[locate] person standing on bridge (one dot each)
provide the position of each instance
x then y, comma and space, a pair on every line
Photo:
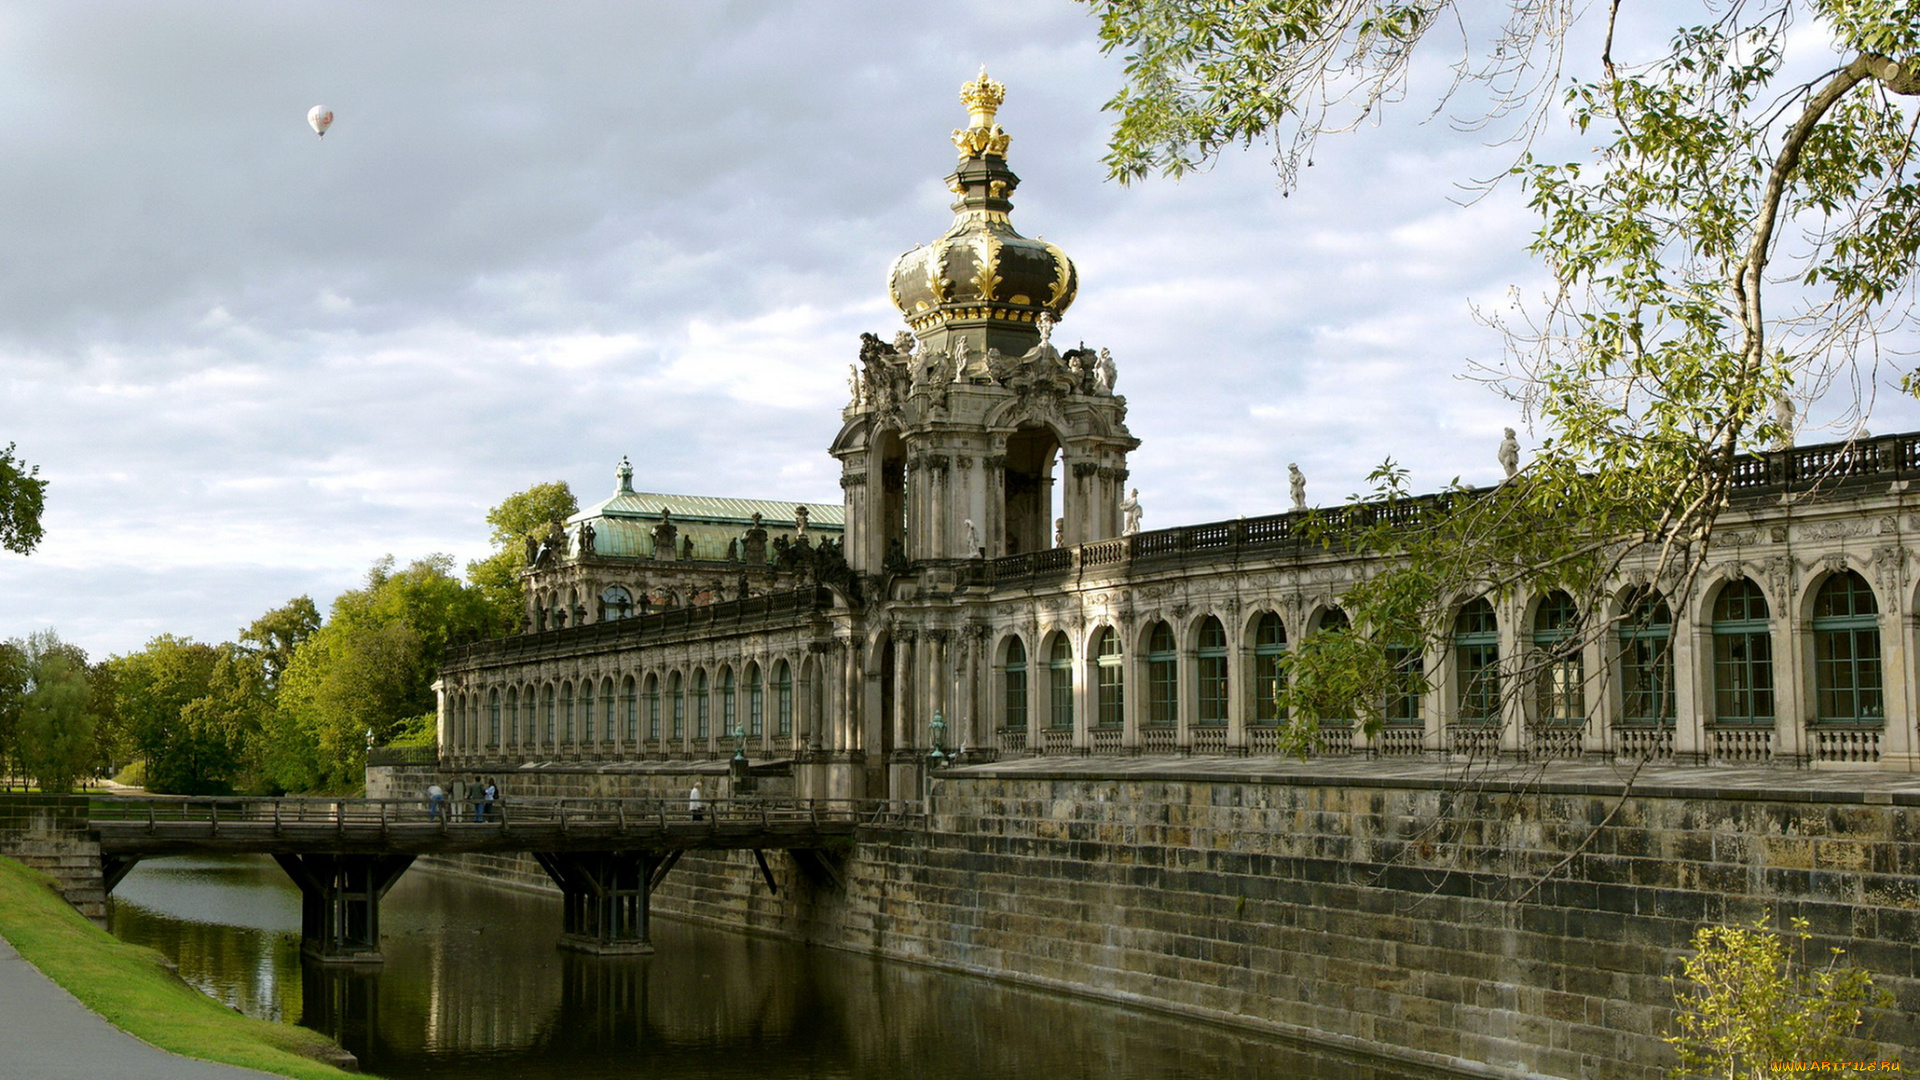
696, 806
478, 793
457, 798
487, 795
436, 801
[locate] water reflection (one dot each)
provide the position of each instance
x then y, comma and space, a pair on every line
474, 985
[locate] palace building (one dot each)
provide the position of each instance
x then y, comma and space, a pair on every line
978, 591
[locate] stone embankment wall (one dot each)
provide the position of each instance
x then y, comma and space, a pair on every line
1410, 916
49, 833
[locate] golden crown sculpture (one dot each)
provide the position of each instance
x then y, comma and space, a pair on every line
982, 136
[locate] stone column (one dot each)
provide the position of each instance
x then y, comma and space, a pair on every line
903, 645
993, 485
1187, 690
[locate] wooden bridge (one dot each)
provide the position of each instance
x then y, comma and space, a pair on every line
606, 855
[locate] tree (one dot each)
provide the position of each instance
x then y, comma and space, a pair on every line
22, 499
1746, 1002
275, 635
55, 729
364, 675
1740, 240
521, 516
156, 689
13, 688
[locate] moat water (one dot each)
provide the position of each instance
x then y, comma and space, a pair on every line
473, 986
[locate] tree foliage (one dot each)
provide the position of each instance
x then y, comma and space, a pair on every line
364, 675
52, 723
521, 516
1742, 237
1748, 1000
22, 500
166, 698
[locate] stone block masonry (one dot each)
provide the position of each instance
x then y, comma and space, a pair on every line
49, 833
1523, 924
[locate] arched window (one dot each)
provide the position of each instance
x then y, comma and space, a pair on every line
1108, 684
679, 709
1163, 677
1060, 682
1560, 686
1646, 661
1333, 619
1476, 645
653, 709
756, 703
702, 721
586, 709
1013, 703
631, 707
1402, 705
615, 603
493, 717
1269, 645
1846, 652
1212, 664
729, 720
783, 699
1742, 655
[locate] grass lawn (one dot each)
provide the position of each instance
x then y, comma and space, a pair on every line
132, 987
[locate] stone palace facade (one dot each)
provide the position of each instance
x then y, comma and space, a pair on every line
983, 590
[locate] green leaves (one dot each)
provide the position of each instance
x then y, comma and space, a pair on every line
1745, 1002
22, 500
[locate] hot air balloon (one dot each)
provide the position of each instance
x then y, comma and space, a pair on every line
321, 118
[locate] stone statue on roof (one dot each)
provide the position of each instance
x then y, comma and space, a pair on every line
586, 537
664, 535
753, 549
686, 547
971, 535
1105, 374
1130, 513
799, 521
1510, 453
1297, 481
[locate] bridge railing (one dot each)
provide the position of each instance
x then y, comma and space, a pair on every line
629, 813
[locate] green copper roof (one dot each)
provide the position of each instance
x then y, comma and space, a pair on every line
623, 523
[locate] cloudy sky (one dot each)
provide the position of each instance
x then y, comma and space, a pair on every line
540, 237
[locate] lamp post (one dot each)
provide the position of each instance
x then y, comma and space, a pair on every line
936, 730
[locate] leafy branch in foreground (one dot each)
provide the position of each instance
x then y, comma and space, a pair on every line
1741, 239
1746, 1002
22, 500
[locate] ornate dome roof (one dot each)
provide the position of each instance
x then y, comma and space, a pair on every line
981, 272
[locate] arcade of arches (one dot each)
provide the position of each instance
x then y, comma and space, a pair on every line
978, 591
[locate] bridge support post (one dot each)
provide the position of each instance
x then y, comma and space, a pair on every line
340, 903
606, 896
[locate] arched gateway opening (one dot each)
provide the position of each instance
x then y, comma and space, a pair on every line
1032, 454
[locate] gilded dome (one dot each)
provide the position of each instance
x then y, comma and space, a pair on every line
980, 271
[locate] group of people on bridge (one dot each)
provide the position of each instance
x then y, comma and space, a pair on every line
480, 793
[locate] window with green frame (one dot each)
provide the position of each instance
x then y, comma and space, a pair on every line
756, 704
493, 718
632, 707
1109, 682
1742, 655
702, 720
729, 716
1211, 665
1846, 652
1402, 707
566, 712
1646, 662
1560, 694
586, 709
1013, 703
513, 715
1269, 645
653, 708
1476, 650
550, 714
679, 695
1060, 682
1163, 677
783, 699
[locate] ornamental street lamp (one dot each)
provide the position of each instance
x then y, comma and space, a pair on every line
936, 730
